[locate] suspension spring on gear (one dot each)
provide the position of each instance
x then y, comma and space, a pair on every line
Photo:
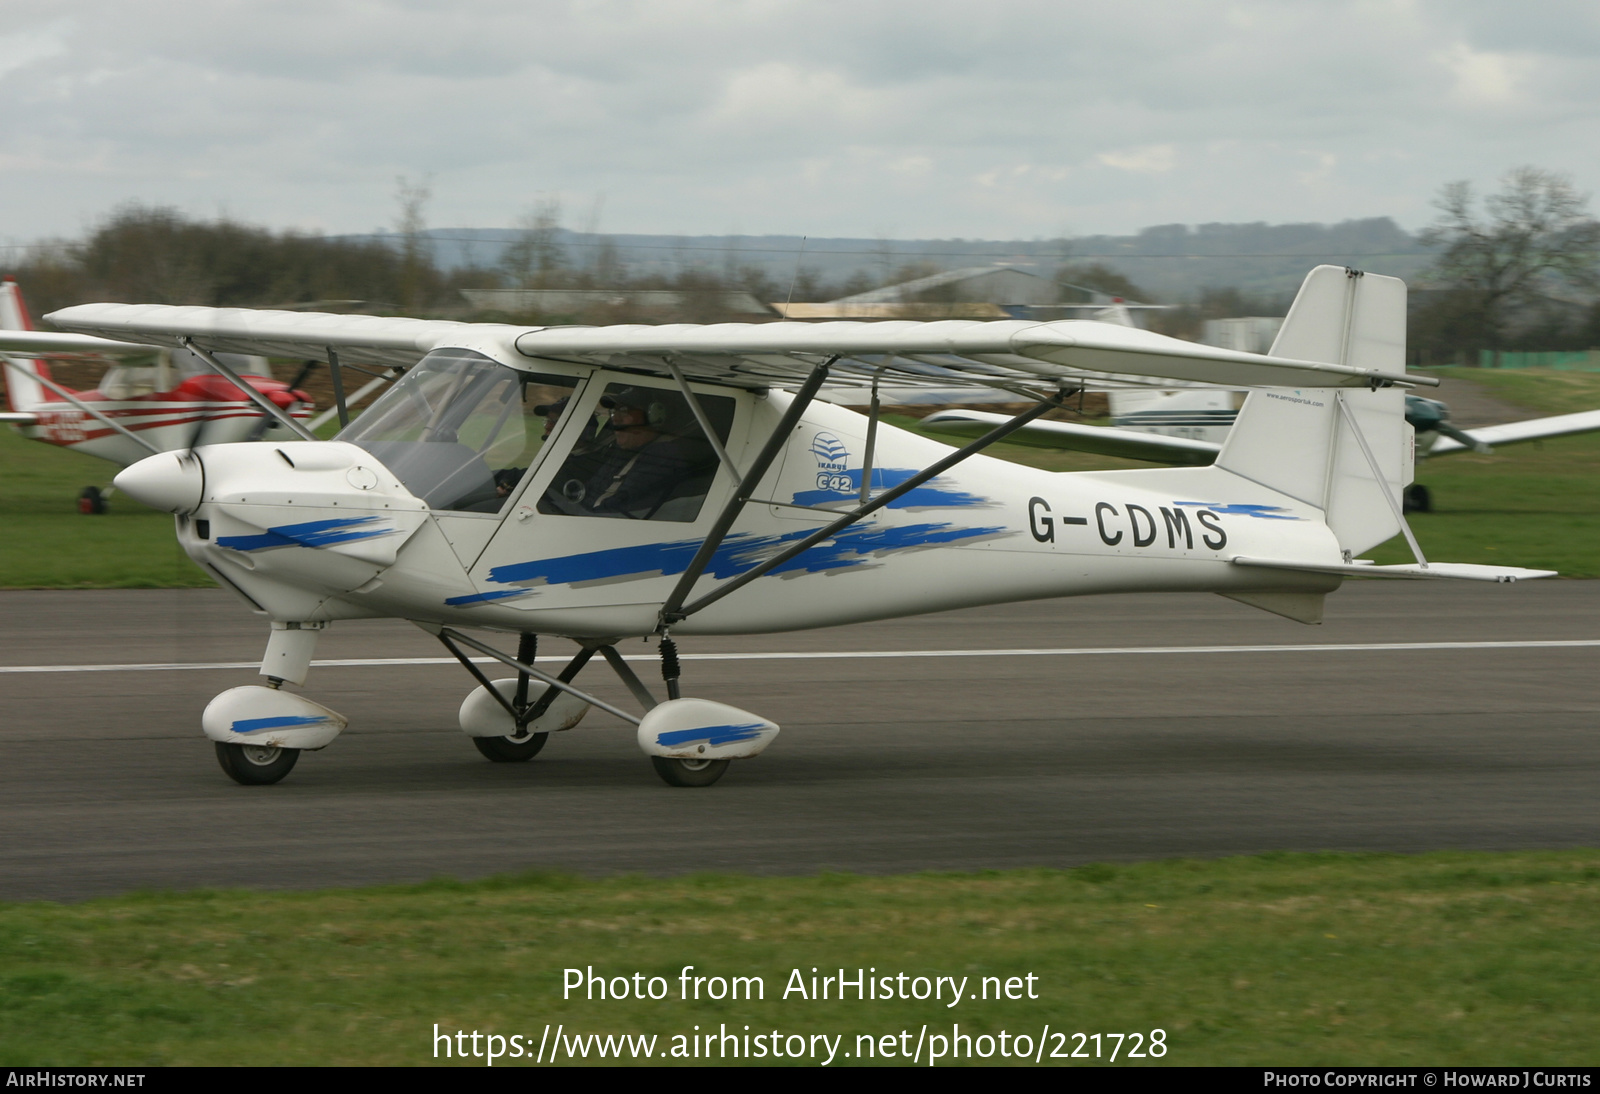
669, 666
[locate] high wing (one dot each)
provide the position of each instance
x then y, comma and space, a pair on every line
1007, 354
1129, 444
1587, 421
386, 341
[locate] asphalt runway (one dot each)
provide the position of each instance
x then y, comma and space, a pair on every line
885, 764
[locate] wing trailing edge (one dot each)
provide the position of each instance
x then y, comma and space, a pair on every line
1129, 444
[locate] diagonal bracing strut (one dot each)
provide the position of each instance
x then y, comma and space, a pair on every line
747, 485
998, 433
251, 393
449, 636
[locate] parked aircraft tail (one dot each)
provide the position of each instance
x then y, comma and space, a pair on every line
1340, 450
23, 392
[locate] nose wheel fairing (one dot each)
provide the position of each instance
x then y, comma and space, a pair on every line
264, 717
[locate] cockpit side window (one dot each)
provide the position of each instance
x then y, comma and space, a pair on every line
643, 456
460, 429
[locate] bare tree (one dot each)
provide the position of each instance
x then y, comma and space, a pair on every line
1535, 239
413, 199
536, 255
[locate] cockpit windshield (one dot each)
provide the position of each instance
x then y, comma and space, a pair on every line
460, 429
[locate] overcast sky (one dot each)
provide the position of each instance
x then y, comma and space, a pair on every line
929, 118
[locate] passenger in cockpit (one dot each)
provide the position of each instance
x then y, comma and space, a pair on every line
505, 481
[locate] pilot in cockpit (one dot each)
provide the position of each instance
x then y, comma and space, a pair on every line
644, 461
649, 461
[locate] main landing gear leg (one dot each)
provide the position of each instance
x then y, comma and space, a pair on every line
505, 724
522, 745
689, 741
678, 772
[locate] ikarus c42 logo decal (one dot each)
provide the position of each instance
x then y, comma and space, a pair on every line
833, 463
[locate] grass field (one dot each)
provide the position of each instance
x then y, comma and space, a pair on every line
48, 544
1278, 959
1535, 505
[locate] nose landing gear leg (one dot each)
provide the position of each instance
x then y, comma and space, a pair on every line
260, 732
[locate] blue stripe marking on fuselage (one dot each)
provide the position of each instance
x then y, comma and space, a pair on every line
711, 735
850, 547
312, 533
287, 721
929, 495
1243, 509
483, 598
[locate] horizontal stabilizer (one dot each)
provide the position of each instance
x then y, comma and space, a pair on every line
1129, 444
1465, 571
1587, 421
19, 419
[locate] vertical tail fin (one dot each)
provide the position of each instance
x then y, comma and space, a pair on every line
1338, 449
23, 392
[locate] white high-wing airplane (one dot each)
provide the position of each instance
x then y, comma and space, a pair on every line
601, 483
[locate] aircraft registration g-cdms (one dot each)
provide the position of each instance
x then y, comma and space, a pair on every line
601, 483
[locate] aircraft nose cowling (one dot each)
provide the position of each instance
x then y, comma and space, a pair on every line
172, 481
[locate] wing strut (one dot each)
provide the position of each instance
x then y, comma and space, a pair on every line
251, 393
872, 437
938, 468
747, 485
80, 404
337, 375
360, 393
700, 416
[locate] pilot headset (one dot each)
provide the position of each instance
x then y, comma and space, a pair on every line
655, 411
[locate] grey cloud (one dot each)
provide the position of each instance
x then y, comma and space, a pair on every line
1017, 118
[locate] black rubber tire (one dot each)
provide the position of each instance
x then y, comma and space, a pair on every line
252, 765
1417, 499
91, 501
503, 750
689, 772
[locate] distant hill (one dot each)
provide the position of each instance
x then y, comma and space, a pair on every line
1257, 259
1171, 262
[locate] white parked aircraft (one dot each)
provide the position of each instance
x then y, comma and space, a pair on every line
600, 483
1188, 426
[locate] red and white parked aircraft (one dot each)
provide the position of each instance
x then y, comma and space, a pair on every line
170, 400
